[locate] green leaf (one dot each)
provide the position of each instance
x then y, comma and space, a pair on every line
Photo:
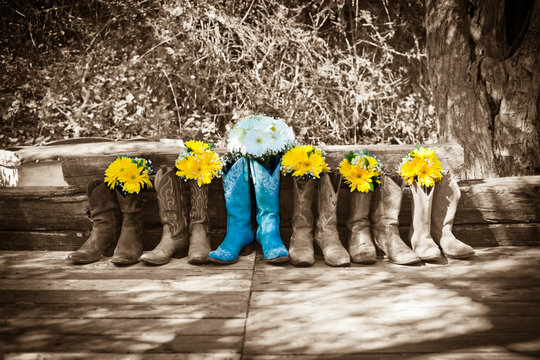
350, 156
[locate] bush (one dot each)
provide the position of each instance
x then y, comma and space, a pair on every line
337, 72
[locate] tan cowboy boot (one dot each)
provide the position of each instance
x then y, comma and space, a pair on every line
106, 223
361, 248
172, 211
420, 231
445, 200
129, 247
387, 199
301, 251
326, 234
199, 243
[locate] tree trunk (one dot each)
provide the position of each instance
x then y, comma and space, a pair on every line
484, 68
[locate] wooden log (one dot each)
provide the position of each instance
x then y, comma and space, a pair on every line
490, 201
81, 163
476, 235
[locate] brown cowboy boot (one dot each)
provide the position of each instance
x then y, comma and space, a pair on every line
361, 248
172, 211
130, 243
326, 234
445, 200
387, 199
106, 223
301, 251
420, 231
199, 243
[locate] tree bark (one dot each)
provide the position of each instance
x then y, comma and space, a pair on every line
484, 68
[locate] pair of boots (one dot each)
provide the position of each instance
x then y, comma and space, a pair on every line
117, 229
236, 187
326, 234
173, 215
431, 227
432, 221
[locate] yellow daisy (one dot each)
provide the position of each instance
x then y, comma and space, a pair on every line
135, 180
117, 169
196, 146
361, 171
304, 160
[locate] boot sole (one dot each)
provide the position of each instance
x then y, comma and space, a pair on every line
302, 263
338, 265
154, 263
82, 262
458, 256
280, 259
221, 262
124, 262
198, 261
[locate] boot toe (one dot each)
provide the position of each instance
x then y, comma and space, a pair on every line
81, 257
123, 260
429, 254
301, 256
461, 253
456, 249
362, 258
405, 259
222, 256
337, 259
279, 254
153, 260
198, 259
363, 255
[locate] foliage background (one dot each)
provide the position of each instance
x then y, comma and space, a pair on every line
338, 71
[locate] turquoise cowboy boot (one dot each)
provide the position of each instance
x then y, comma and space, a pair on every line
267, 196
238, 205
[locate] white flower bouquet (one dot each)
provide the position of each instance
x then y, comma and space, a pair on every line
260, 137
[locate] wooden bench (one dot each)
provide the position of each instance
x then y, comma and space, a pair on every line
46, 210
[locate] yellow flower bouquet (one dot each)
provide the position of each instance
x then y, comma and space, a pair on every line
421, 165
361, 171
199, 162
304, 161
130, 175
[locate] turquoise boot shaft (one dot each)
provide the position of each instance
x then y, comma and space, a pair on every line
238, 205
267, 196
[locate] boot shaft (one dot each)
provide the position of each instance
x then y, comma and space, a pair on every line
171, 201
327, 201
129, 203
101, 199
266, 185
445, 201
303, 191
359, 211
198, 215
236, 190
387, 202
421, 208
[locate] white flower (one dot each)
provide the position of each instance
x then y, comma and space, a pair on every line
259, 135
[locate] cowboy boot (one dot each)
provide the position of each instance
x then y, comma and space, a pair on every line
361, 248
326, 233
301, 247
266, 186
106, 223
172, 212
420, 231
445, 200
199, 243
238, 205
129, 247
387, 199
